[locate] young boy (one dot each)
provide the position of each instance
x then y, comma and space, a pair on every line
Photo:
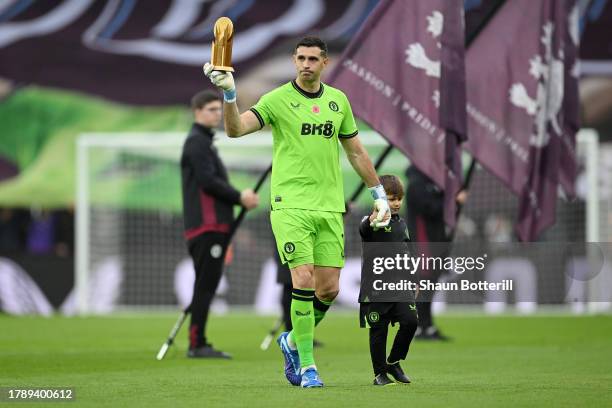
377, 315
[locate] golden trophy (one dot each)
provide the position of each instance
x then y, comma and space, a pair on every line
221, 51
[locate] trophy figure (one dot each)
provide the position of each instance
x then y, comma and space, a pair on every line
221, 51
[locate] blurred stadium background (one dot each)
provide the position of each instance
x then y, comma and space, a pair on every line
93, 112
114, 78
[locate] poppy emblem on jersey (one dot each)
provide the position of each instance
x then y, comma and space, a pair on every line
316, 109
289, 247
333, 106
374, 317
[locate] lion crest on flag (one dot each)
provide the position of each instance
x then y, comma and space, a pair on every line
545, 106
418, 58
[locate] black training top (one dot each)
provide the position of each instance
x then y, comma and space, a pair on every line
208, 198
396, 232
425, 208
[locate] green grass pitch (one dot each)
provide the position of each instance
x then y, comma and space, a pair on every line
554, 361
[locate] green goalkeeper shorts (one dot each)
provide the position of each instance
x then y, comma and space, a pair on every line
309, 237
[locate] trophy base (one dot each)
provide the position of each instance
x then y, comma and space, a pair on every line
222, 68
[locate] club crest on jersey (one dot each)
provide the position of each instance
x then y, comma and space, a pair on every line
333, 106
316, 109
289, 247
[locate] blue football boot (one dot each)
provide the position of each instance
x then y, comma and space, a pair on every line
310, 379
292, 360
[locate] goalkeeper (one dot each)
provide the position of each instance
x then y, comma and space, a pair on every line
308, 119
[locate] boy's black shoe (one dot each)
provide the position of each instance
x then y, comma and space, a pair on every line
395, 371
382, 379
207, 351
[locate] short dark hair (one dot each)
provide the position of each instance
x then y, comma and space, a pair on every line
203, 98
312, 42
392, 185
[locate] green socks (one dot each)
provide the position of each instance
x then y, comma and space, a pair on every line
303, 321
306, 312
320, 308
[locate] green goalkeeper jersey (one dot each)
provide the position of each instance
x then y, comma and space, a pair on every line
306, 128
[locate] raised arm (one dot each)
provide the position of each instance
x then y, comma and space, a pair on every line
236, 124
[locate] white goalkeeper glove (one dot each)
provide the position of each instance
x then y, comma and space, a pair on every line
383, 216
223, 80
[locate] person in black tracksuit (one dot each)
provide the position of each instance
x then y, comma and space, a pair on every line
378, 315
208, 212
425, 216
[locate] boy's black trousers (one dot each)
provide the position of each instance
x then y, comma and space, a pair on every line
378, 316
